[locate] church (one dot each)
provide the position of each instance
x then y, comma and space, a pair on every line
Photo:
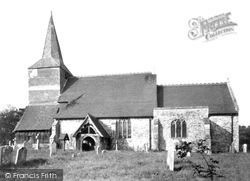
130, 110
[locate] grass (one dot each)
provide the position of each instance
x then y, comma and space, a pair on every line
128, 165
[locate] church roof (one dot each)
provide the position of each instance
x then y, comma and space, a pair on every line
126, 95
216, 96
52, 56
37, 117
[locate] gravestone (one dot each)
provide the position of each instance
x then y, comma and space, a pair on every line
170, 157
188, 154
98, 150
244, 148
6, 154
103, 151
52, 148
21, 155
37, 142
146, 148
10, 144
116, 145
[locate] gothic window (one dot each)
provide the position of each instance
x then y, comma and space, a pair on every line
173, 129
123, 128
178, 129
184, 129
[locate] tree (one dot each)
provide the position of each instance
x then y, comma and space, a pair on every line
9, 117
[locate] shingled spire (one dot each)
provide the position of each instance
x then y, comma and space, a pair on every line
52, 56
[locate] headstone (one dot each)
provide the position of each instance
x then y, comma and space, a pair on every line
116, 145
21, 155
244, 148
98, 150
10, 144
37, 142
78, 154
188, 154
6, 154
170, 157
52, 148
103, 151
73, 155
146, 148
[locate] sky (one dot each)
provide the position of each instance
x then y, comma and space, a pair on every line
112, 37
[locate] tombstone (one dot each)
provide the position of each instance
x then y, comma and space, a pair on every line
103, 151
73, 155
98, 150
10, 144
21, 155
188, 154
244, 148
52, 148
6, 154
37, 141
78, 154
170, 157
146, 148
116, 145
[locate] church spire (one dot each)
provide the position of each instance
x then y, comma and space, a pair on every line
52, 56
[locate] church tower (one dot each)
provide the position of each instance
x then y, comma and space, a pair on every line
48, 75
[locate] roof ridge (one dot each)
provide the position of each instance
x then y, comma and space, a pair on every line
191, 84
118, 74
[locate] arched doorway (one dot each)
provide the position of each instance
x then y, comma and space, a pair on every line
88, 144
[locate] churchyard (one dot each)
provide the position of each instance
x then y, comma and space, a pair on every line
130, 165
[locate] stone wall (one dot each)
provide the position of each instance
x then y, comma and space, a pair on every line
221, 133
195, 124
140, 133
70, 127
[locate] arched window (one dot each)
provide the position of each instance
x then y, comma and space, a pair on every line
184, 129
173, 129
123, 128
178, 129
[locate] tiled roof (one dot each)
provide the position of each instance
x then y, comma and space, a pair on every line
216, 96
37, 117
96, 124
52, 56
126, 95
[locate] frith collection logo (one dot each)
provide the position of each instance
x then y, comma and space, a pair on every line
210, 28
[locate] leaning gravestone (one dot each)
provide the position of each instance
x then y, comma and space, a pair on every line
21, 155
6, 153
52, 148
244, 148
170, 157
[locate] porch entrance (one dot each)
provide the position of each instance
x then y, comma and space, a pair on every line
88, 144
